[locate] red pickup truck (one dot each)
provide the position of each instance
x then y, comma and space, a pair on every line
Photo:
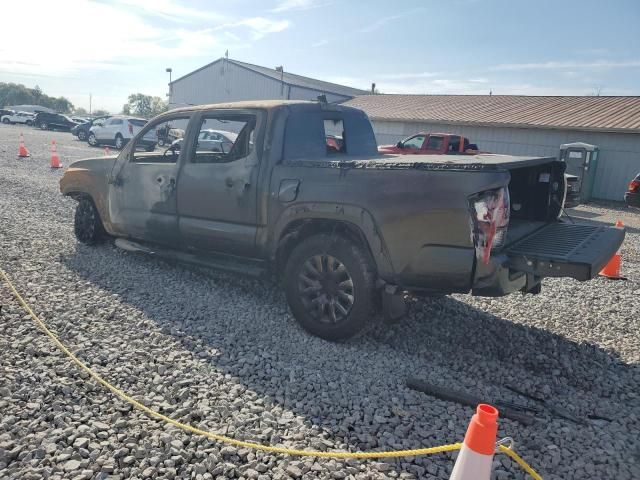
431, 144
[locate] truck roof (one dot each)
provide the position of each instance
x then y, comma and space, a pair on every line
264, 104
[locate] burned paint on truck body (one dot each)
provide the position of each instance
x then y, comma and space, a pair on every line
414, 215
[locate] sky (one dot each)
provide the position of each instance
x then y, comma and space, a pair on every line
110, 49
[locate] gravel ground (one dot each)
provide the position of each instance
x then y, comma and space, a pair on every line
223, 353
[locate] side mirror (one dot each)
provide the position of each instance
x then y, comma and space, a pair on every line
399, 145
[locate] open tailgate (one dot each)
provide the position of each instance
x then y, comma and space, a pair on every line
565, 250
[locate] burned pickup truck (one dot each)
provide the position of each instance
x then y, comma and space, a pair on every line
347, 230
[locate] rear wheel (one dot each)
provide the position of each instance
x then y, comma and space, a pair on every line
44, 126
330, 286
87, 224
92, 140
119, 141
29, 123
82, 135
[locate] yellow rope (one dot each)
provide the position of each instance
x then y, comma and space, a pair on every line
232, 441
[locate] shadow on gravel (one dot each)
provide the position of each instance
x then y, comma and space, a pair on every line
355, 390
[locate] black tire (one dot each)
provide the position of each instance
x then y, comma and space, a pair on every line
6, 121
29, 123
92, 140
312, 304
82, 135
44, 126
161, 142
87, 225
119, 142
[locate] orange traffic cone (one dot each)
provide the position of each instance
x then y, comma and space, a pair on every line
55, 159
22, 151
107, 152
612, 269
476, 455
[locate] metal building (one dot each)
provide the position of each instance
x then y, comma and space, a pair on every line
227, 80
521, 125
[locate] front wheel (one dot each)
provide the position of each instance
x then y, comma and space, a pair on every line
92, 140
6, 121
330, 286
44, 126
87, 224
29, 123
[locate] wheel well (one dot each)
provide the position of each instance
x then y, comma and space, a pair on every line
299, 230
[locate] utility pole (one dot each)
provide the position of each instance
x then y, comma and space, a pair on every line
169, 70
89, 104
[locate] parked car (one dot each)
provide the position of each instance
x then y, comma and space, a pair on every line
117, 131
168, 135
18, 117
632, 196
210, 140
5, 111
54, 121
346, 232
82, 130
431, 144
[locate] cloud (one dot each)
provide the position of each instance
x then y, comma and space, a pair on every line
129, 42
169, 10
555, 65
261, 26
288, 5
320, 43
407, 76
385, 20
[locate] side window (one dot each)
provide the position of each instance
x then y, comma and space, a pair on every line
224, 138
454, 144
160, 142
434, 143
116, 121
334, 135
414, 142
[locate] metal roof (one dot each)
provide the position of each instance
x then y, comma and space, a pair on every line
614, 114
288, 79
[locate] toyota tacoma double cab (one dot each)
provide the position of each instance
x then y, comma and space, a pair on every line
349, 232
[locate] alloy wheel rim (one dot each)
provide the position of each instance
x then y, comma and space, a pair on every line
326, 289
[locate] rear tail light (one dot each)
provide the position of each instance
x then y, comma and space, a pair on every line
490, 219
131, 129
634, 186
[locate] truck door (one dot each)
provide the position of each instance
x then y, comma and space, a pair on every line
142, 188
413, 145
217, 188
434, 145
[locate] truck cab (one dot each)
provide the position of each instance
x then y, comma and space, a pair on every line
430, 144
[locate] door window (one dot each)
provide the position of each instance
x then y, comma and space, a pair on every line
435, 143
160, 142
224, 138
414, 143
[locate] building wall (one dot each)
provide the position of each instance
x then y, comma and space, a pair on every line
227, 82
618, 163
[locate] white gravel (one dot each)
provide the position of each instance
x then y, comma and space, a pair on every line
223, 353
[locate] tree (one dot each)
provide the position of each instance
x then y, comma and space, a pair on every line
100, 113
17, 94
80, 111
144, 105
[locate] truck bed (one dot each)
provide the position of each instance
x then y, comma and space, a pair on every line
429, 162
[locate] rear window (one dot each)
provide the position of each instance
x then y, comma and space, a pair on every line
137, 122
